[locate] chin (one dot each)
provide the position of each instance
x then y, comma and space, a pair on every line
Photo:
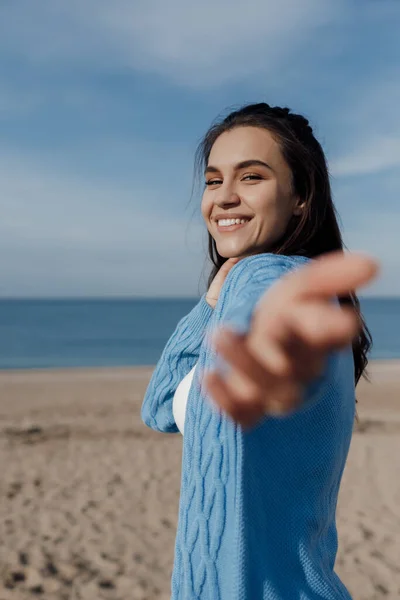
228, 253
231, 253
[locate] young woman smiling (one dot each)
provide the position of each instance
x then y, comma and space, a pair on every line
260, 376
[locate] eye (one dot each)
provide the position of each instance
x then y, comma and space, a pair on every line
252, 176
212, 182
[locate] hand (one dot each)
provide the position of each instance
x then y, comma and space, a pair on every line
217, 283
293, 328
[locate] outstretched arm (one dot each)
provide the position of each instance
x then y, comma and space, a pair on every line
287, 333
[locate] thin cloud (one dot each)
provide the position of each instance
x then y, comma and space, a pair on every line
60, 236
372, 156
203, 44
17, 101
376, 234
367, 125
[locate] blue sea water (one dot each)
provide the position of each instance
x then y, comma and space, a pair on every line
119, 332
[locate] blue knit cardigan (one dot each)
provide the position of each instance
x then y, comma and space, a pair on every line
257, 507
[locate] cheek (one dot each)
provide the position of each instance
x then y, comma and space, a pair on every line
206, 207
272, 201
264, 198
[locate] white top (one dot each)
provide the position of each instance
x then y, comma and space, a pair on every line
180, 400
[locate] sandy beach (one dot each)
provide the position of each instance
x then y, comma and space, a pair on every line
89, 495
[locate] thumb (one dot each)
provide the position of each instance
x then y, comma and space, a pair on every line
230, 262
226, 267
219, 279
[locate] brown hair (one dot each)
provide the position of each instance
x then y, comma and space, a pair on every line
316, 230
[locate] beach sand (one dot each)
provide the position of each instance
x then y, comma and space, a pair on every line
89, 495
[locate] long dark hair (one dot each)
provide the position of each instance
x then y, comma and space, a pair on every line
316, 230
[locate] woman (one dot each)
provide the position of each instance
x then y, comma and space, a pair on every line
268, 420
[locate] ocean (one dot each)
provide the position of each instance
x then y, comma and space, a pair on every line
121, 332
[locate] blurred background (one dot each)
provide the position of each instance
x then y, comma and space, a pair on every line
103, 250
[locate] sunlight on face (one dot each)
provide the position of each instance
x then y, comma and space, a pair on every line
247, 177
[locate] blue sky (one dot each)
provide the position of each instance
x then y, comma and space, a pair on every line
102, 105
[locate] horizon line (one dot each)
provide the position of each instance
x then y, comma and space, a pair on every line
133, 297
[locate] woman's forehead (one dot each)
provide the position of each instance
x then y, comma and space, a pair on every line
245, 143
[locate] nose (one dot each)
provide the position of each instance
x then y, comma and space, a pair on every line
226, 198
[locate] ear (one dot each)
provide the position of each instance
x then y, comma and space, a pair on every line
298, 207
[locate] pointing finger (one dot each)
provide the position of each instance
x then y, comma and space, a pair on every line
333, 274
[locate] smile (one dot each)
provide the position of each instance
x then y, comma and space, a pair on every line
226, 226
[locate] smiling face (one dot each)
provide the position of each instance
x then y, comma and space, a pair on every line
247, 178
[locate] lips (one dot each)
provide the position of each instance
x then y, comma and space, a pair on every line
221, 216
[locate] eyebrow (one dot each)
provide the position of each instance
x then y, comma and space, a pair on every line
241, 165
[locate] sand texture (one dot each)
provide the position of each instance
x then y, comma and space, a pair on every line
89, 495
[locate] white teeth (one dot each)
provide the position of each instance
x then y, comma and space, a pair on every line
228, 222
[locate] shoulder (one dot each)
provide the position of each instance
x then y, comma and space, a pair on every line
262, 268
247, 281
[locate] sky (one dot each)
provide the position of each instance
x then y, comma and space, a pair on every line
103, 103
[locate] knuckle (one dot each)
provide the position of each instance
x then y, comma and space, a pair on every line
247, 391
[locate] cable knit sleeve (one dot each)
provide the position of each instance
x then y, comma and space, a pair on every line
178, 358
250, 279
